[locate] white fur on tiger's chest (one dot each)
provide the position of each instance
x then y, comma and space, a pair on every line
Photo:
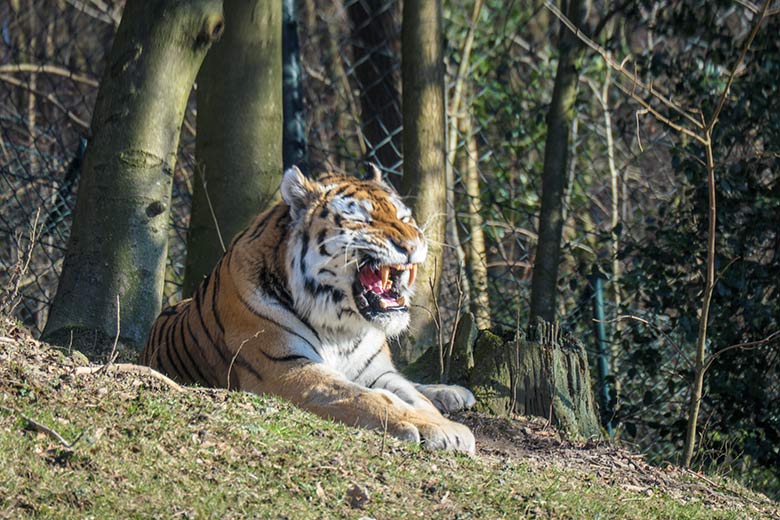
350, 358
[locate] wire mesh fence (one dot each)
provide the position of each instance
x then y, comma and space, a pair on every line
53, 53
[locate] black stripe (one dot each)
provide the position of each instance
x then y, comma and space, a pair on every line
194, 341
321, 242
243, 363
368, 362
350, 191
291, 357
353, 347
215, 290
260, 227
326, 270
345, 310
286, 329
380, 376
304, 248
171, 369
337, 295
339, 190
185, 346
199, 311
176, 348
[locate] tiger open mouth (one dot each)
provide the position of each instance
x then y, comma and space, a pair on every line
377, 288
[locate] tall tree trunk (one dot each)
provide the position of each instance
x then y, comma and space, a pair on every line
424, 154
544, 283
475, 247
294, 138
239, 141
373, 28
119, 241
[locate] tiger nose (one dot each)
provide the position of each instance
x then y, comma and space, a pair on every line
411, 249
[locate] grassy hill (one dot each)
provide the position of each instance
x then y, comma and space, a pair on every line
132, 446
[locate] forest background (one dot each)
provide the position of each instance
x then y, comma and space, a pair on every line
635, 197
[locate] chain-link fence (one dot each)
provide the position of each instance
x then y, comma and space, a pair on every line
52, 56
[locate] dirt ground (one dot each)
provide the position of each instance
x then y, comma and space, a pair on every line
536, 442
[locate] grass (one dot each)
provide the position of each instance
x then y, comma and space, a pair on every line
144, 450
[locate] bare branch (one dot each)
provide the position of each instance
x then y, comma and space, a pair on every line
35, 425
129, 368
741, 58
620, 67
48, 97
750, 345
56, 70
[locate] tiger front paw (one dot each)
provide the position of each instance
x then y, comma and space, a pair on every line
447, 435
448, 398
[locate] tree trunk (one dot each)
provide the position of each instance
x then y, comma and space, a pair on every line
424, 155
373, 29
239, 141
294, 138
119, 241
544, 283
475, 247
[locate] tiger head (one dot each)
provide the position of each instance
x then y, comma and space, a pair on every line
353, 252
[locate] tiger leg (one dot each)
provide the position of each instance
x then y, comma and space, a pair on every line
328, 394
380, 373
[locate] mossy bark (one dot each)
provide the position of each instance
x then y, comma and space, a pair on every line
119, 240
239, 140
440, 365
424, 156
545, 376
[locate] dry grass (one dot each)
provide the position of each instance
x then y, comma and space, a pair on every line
129, 445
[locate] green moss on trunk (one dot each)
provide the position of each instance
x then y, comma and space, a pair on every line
119, 240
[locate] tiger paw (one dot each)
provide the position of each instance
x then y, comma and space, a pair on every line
447, 435
448, 398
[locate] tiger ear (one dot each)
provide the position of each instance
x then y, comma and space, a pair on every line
297, 190
373, 174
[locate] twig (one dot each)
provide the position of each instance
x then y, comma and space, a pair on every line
235, 356
384, 432
709, 286
48, 97
635, 81
129, 368
35, 425
656, 328
732, 75
111, 18
451, 346
112, 356
750, 345
49, 69
211, 209
10, 299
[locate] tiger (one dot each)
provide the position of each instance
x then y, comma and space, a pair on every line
302, 304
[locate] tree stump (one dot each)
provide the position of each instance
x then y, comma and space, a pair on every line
545, 375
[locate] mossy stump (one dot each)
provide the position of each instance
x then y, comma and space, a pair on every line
545, 375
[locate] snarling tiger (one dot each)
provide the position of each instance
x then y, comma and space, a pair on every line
301, 306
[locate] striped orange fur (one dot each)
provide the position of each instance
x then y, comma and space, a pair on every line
301, 306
